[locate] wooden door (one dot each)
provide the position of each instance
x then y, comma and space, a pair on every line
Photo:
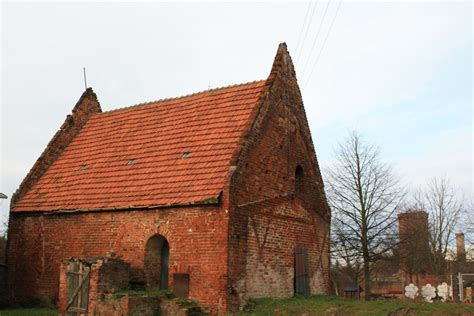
301, 271
77, 288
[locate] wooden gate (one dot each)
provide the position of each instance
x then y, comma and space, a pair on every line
301, 271
77, 288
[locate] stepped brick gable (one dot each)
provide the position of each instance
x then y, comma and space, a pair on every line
221, 189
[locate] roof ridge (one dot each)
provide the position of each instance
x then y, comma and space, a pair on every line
138, 105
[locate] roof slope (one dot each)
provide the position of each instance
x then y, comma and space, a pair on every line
174, 151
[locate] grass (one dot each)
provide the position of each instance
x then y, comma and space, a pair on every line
330, 305
160, 294
29, 312
316, 305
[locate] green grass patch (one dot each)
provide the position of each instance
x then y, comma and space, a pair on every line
29, 312
163, 294
331, 305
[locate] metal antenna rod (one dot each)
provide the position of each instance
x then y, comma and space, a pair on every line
85, 80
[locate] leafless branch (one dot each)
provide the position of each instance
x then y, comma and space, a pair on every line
364, 195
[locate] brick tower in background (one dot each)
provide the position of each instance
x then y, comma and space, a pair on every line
414, 245
460, 248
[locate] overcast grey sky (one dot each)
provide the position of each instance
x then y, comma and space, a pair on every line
398, 72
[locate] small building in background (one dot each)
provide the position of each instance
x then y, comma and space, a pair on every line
352, 291
410, 263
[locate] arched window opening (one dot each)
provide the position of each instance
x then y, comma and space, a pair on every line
299, 180
156, 263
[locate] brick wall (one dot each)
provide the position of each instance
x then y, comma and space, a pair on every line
271, 212
240, 250
196, 235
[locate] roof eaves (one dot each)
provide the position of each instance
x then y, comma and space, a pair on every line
214, 200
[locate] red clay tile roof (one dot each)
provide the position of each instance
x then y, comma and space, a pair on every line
174, 151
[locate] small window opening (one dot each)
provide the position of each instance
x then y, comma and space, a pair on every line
186, 155
131, 162
299, 180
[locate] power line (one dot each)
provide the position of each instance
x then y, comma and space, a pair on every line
316, 38
302, 28
306, 33
324, 43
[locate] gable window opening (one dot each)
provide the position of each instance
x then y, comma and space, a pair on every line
299, 180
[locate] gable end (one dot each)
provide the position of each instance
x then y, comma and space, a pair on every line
281, 87
84, 108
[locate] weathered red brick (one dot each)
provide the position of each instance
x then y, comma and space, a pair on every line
238, 248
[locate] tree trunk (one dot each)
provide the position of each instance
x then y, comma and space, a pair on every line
367, 280
367, 276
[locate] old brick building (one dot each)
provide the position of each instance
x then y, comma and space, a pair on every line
223, 185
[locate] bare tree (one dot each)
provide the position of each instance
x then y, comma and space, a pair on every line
342, 248
349, 262
466, 225
4, 220
364, 195
444, 209
347, 268
4, 226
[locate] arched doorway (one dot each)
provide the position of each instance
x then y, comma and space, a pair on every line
156, 263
